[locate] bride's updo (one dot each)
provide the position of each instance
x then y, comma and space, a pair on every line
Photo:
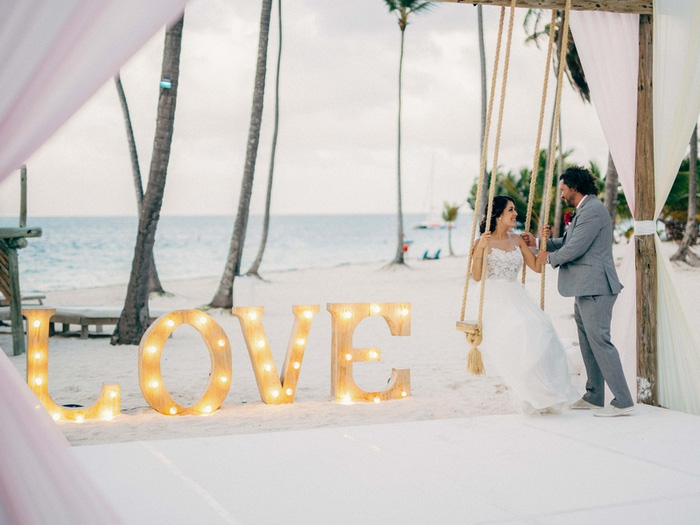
500, 203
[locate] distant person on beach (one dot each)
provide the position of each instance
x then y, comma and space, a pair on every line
518, 337
587, 272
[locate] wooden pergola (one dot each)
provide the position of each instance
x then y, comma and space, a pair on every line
645, 262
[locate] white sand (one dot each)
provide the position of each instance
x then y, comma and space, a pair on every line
435, 353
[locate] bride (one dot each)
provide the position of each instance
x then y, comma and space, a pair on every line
518, 337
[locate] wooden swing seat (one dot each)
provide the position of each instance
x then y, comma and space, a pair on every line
468, 327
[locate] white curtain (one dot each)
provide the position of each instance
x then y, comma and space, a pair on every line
608, 46
676, 108
55, 54
613, 39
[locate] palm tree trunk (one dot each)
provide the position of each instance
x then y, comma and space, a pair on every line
690, 237
399, 259
135, 317
481, 206
255, 267
224, 295
154, 284
610, 196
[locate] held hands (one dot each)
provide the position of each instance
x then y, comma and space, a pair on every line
529, 239
541, 259
546, 231
481, 245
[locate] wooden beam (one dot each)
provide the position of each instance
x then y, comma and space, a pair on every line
644, 211
615, 6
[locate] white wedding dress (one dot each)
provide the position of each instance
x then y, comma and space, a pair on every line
520, 342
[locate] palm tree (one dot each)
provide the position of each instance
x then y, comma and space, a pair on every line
135, 317
403, 9
255, 267
154, 285
224, 295
535, 30
449, 215
690, 236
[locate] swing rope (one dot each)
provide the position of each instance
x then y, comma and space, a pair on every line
536, 156
553, 144
474, 361
484, 152
474, 332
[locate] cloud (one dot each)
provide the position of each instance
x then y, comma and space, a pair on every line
338, 124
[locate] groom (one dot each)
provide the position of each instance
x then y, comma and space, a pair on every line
587, 272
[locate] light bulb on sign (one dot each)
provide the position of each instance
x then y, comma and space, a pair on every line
267, 368
375, 309
252, 316
348, 357
376, 399
308, 314
152, 349
404, 311
301, 341
296, 365
275, 393
207, 409
289, 391
154, 384
222, 343
37, 323
170, 323
79, 418
347, 315
173, 411
261, 343
38, 381
202, 320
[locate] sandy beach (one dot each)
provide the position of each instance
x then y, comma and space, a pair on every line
435, 353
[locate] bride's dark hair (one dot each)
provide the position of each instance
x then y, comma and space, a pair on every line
500, 203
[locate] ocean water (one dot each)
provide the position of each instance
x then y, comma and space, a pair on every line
86, 252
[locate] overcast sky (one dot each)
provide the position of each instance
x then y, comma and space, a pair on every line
337, 141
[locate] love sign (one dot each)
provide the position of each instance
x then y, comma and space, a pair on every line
273, 387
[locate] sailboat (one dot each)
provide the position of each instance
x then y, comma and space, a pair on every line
433, 217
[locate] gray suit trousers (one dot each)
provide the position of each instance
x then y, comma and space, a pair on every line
600, 357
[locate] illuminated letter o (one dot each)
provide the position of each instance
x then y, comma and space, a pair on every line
151, 348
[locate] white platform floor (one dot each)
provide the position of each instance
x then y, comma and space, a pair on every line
571, 468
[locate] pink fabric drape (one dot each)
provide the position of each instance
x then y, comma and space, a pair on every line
55, 55
608, 46
40, 482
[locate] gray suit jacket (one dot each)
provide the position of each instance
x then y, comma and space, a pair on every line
584, 254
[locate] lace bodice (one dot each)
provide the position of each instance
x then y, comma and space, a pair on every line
504, 265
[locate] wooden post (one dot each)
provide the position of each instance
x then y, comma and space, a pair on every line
17, 323
23, 197
645, 204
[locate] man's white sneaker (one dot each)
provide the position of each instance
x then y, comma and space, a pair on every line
582, 404
612, 411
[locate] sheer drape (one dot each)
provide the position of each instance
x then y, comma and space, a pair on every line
676, 107
613, 38
608, 45
55, 54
